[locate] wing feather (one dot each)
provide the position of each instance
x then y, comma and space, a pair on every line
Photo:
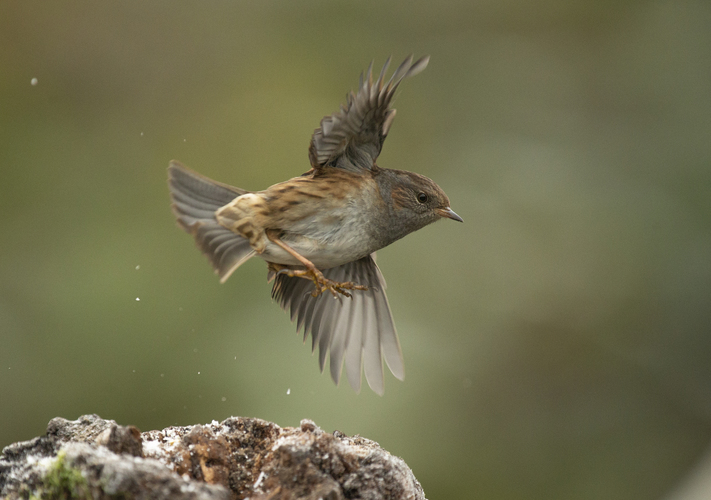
352, 137
358, 332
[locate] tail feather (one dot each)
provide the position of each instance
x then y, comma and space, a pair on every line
195, 201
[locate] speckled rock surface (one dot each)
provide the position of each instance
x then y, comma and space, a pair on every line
237, 458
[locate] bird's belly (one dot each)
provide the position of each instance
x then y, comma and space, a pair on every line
326, 243
321, 257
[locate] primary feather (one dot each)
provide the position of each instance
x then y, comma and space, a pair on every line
358, 330
352, 137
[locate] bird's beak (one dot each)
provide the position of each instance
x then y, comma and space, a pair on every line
449, 213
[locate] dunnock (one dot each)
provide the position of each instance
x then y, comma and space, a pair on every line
318, 232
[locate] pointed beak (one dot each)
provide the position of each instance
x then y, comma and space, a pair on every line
449, 213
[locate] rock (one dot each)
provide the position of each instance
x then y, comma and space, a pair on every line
238, 458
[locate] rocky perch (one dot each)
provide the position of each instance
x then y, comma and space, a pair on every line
238, 458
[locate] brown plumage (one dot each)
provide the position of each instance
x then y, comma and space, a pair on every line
324, 226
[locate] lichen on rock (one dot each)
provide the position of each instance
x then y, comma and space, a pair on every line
238, 458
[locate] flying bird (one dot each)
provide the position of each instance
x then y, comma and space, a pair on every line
319, 232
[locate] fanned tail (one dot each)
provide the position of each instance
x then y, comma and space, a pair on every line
195, 200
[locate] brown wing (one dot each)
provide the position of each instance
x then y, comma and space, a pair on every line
353, 137
358, 331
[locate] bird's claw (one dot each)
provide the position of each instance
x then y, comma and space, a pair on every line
323, 284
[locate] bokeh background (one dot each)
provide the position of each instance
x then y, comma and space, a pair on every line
557, 344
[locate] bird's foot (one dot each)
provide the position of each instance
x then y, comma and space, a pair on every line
322, 283
310, 272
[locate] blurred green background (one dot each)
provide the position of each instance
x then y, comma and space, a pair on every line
557, 344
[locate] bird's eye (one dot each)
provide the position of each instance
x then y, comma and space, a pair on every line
422, 198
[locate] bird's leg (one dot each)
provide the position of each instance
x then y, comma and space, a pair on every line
312, 273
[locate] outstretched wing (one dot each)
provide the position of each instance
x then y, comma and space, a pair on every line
353, 137
358, 329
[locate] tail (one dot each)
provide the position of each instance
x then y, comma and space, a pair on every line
195, 200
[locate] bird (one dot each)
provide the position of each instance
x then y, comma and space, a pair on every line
319, 232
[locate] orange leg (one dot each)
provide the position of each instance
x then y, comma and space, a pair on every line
312, 273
